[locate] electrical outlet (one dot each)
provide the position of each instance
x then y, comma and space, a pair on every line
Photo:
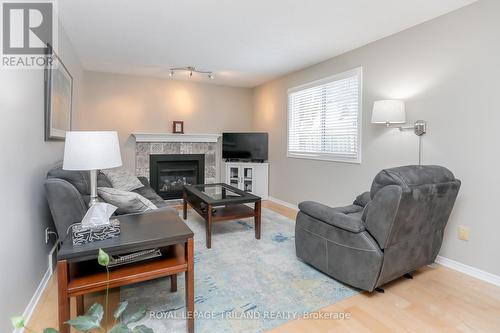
463, 233
49, 232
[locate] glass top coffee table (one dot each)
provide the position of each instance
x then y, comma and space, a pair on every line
221, 202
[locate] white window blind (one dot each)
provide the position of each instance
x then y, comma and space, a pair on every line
324, 118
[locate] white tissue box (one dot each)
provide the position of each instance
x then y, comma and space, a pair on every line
82, 235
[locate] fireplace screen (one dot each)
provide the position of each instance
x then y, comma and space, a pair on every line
169, 173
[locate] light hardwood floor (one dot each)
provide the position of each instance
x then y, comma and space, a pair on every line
438, 299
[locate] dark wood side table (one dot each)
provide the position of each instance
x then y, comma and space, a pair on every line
221, 202
78, 272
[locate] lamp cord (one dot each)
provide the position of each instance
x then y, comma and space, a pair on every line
420, 150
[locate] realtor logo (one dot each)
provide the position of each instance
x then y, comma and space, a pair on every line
29, 33
27, 27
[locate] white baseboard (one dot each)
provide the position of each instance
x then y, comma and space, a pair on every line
283, 203
28, 312
469, 270
36, 297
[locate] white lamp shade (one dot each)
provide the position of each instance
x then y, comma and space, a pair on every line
91, 150
389, 112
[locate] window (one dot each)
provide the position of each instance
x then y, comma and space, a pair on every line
324, 118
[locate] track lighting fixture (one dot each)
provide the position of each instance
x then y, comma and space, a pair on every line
191, 70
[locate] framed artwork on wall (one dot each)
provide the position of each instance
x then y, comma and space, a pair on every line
58, 98
178, 127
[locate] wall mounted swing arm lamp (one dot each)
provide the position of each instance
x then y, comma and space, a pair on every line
391, 113
419, 127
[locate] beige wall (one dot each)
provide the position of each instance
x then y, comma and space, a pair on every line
25, 159
448, 72
131, 104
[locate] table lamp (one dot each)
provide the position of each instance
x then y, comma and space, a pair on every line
91, 151
390, 112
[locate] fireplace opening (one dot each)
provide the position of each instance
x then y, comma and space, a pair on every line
170, 172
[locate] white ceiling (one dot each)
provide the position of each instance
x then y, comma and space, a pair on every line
245, 42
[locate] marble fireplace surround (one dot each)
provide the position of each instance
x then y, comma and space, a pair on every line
148, 144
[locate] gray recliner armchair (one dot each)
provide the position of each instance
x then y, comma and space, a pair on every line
392, 230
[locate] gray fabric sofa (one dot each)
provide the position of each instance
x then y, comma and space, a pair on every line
68, 194
392, 230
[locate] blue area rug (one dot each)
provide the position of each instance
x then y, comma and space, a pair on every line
241, 284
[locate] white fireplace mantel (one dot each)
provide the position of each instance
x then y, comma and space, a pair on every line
171, 137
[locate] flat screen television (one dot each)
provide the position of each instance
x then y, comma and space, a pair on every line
244, 146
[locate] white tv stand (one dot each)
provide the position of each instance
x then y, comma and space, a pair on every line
249, 176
